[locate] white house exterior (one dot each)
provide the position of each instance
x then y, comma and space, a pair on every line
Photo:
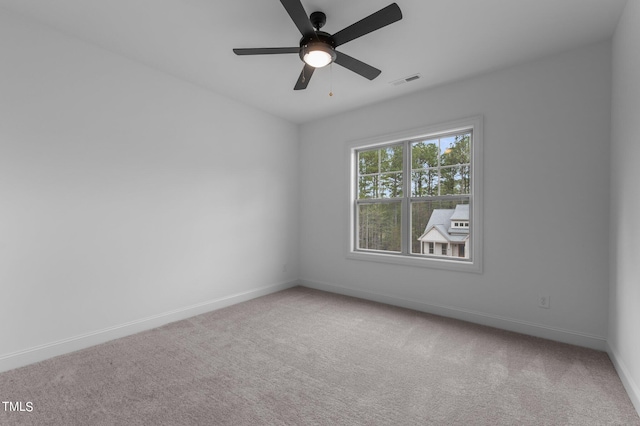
447, 233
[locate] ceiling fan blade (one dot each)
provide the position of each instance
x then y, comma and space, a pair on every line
375, 21
266, 50
357, 66
304, 78
299, 16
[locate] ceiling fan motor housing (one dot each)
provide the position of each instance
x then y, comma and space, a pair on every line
319, 41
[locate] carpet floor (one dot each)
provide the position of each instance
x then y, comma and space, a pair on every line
306, 357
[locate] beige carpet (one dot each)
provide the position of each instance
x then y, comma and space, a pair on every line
304, 357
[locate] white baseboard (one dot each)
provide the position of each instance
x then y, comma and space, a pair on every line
633, 390
39, 353
510, 324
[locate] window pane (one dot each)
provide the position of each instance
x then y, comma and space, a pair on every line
391, 185
455, 150
391, 159
380, 173
441, 166
455, 180
424, 154
379, 226
379, 160
368, 162
424, 183
385, 185
368, 186
431, 223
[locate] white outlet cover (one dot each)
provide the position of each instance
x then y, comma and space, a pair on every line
544, 301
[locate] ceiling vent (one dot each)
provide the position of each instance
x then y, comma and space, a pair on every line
406, 79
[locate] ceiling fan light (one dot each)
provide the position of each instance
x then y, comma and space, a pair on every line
318, 55
317, 58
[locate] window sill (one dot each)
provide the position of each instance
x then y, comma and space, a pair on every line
474, 266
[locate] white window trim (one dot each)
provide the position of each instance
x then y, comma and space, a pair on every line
473, 265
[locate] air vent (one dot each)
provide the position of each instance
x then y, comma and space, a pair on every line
406, 79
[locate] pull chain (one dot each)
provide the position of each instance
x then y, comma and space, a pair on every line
331, 79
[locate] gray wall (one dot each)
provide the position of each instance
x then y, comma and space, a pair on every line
624, 301
546, 194
129, 198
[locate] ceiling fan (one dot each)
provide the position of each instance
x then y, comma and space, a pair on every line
317, 48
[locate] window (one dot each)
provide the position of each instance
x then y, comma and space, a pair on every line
415, 191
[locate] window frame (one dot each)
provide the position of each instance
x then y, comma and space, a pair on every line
473, 124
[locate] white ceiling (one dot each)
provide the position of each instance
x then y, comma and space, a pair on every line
443, 40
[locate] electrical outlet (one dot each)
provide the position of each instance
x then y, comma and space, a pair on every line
544, 301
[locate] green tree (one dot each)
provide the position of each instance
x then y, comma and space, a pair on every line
424, 173
455, 167
380, 173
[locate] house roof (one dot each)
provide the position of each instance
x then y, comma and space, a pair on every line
441, 220
461, 212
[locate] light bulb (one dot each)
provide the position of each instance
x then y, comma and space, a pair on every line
317, 58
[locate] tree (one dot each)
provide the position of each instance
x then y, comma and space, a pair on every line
424, 174
380, 173
455, 167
